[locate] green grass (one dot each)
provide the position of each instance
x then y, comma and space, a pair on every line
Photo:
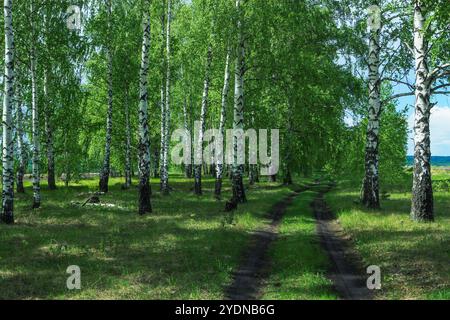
414, 257
299, 262
180, 251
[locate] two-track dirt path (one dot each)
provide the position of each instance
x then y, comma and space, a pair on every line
349, 279
347, 273
254, 267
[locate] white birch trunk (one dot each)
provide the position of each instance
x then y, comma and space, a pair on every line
165, 164
370, 194
163, 94
7, 213
20, 144
35, 126
49, 137
188, 166
238, 114
199, 142
127, 143
223, 111
104, 176
144, 140
422, 192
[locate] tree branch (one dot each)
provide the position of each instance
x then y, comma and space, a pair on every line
396, 96
433, 75
409, 85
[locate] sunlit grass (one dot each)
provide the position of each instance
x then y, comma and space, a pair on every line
414, 257
183, 250
299, 264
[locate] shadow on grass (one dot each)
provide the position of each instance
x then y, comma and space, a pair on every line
181, 250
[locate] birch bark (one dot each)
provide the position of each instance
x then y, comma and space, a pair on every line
422, 191
35, 123
223, 110
144, 140
49, 137
238, 115
370, 191
127, 143
7, 213
199, 142
165, 164
20, 144
104, 176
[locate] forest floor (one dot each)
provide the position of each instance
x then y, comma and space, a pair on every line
188, 248
414, 257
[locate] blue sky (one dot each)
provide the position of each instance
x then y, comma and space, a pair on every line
439, 123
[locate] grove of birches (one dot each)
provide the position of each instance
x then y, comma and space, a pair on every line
103, 98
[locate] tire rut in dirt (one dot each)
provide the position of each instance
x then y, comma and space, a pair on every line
249, 278
346, 273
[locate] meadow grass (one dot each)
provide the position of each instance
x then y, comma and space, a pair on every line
183, 250
414, 257
299, 264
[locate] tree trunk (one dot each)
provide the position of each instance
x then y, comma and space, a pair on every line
238, 116
104, 176
127, 144
7, 213
144, 141
199, 142
20, 145
287, 177
49, 138
35, 126
223, 113
165, 173
370, 195
187, 166
422, 192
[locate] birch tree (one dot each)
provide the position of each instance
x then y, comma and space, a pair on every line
223, 110
144, 140
238, 114
166, 140
370, 194
200, 134
7, 213
21, 154
35, 119
163, 93
49, 135
422, 192
104, 175
127, 142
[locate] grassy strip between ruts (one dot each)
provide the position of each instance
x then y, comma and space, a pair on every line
299, 264
182, 250
414, 257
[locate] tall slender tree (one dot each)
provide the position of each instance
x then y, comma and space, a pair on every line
165, 163
370, 194
35, 117
422, 193
7, 213
127, 141
21, 153
223, 111
49, 135
238, 114
144, 138
163, 92
104, 175
200, 134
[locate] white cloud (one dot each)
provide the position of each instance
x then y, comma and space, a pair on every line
440, 131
